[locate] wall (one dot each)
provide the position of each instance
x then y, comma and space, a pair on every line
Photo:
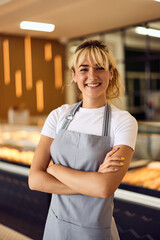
39, 62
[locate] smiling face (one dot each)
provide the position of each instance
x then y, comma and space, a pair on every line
92, 80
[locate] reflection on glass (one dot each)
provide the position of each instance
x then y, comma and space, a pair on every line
142, 56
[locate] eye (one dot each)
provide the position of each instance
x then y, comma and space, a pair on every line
99, 68
83, 69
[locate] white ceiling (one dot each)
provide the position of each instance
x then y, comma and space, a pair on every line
75, 18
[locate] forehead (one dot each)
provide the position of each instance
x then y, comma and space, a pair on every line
87, 61
92, 59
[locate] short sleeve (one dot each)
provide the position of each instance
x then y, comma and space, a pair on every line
49, 127
126, 130
55, 120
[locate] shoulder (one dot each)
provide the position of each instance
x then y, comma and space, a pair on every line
122, 117
60, 112
124, 128
55, 120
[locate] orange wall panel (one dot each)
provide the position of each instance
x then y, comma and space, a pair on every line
17, 92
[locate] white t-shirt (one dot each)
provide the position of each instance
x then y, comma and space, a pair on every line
123, 125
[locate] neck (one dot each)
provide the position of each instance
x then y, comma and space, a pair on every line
93, 103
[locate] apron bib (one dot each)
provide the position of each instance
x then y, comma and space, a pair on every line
80, 217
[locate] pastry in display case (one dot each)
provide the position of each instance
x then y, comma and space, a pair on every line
147, 177
18, 143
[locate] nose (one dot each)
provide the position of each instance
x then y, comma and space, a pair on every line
92, 74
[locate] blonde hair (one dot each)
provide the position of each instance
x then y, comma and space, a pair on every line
100, 54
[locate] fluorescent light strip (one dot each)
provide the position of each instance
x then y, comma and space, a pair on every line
148, 31
37, 26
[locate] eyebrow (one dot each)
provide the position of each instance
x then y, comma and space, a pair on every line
83, 65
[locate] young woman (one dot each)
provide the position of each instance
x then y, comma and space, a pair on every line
91, 144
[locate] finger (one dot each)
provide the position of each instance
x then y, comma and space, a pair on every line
109, 154
107, 170
110, 159
111, 164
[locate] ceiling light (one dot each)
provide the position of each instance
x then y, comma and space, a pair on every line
37, 26
157, 0
148, 31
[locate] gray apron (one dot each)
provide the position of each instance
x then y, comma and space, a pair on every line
80, 217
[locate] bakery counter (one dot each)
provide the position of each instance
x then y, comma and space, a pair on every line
20, 208
137, 200
137, 203
137, 215
136, 212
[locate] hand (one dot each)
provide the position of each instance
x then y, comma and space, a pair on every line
50, 169
111, 163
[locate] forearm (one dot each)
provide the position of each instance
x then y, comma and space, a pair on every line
39, 179
95, 184
87, 183
44, 182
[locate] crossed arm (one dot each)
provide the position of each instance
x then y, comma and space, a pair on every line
62, 180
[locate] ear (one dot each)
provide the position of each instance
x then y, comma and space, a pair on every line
73, 76
111, 74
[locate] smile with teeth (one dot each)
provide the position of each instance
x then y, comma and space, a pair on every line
92, 84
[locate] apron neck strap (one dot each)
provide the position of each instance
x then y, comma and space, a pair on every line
106, 118
71, 114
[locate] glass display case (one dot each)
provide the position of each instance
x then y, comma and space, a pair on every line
137, 200
144, 170
18, 143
